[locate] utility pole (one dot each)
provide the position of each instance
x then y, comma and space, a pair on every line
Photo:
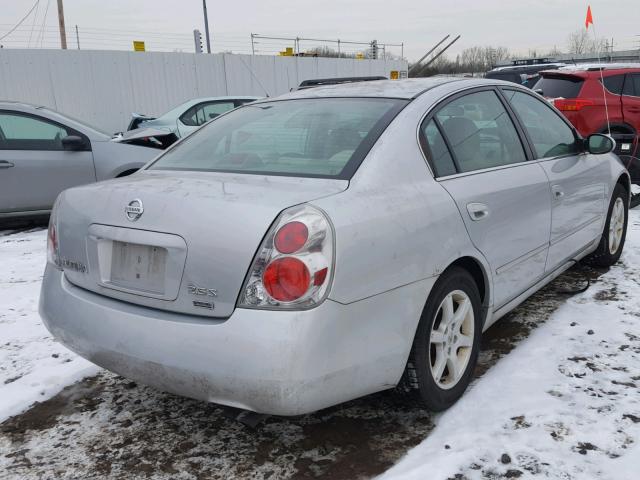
77, 37
206, 24
63, 33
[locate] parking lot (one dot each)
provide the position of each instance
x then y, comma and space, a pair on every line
372, 241
105, 425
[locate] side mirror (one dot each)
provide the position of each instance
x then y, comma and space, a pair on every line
73, 142
599, 144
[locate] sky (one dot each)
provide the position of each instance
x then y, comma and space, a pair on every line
521, 26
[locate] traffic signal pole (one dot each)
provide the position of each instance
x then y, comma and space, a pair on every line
206, 24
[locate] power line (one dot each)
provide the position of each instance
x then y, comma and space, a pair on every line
33, 24
44, 19
20, 22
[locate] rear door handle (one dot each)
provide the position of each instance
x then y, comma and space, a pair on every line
558, 193
477, 211
5, 164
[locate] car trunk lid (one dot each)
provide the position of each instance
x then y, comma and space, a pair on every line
177, 241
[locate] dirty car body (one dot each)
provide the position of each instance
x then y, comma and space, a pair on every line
280, 258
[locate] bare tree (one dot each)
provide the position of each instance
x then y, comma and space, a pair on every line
580, 42
472, 60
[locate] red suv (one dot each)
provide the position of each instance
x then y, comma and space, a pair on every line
577, 92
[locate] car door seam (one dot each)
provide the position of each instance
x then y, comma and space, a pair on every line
512, 263
575, 230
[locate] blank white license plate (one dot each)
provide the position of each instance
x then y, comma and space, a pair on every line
138, 267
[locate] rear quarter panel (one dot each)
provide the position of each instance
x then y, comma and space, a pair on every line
593, 119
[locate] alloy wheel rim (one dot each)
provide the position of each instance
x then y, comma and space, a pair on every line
616, 226
451, 339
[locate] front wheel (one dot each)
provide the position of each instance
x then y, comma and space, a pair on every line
445, 349
615, 230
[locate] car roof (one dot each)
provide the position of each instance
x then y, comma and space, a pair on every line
519, 68
587, 68
408, 89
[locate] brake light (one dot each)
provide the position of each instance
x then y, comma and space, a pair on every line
293, 267
286, 279
572, 105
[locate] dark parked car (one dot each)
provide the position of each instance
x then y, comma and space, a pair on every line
320, 82
526, 75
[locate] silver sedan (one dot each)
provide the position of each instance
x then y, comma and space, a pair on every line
187, 117
43, 152
306, 250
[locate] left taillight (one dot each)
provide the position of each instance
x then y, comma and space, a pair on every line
572, 105
293, 267
53, 243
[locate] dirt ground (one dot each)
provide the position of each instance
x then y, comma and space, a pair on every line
108, 426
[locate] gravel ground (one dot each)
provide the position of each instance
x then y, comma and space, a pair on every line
108, 427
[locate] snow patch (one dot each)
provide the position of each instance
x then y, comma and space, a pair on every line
33, 367
565, 404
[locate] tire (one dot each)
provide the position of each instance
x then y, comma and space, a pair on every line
611, 244
436, 385
635, 200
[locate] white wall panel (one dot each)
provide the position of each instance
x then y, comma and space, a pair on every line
103, 88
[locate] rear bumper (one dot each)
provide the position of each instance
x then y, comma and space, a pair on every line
281, 363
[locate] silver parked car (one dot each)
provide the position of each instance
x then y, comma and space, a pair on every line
189, 116
43, 152
309, 249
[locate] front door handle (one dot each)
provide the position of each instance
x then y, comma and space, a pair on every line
5, 164
477, 211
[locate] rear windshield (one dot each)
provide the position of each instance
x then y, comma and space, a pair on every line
322, 137
554, 87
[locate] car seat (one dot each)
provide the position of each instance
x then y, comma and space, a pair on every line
464, 137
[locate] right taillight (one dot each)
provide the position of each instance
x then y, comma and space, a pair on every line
572, 105
294, 265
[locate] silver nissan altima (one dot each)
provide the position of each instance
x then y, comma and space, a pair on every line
333, 242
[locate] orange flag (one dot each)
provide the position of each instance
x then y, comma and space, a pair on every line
589, 19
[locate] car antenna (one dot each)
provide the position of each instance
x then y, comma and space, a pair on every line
254, 75
589, 21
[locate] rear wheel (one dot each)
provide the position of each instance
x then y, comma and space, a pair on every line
615, 230
445, 349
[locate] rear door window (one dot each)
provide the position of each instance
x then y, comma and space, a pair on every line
633, 82
556, 87
203, 112
614, 83
480, 132
550, 135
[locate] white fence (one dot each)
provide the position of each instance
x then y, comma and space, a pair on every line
103, 88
